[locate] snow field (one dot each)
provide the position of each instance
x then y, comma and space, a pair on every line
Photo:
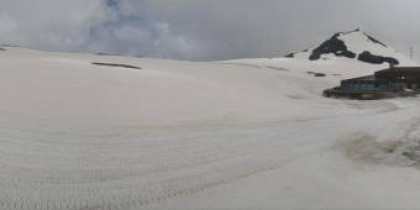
242, 134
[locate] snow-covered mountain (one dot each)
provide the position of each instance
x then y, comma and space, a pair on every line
356, 45
82, 131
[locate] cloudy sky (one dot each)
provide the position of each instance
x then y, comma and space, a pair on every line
202, 29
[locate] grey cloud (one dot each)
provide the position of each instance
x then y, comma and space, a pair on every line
202, 29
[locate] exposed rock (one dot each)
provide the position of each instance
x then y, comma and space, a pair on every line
333, 45
104, 54
320, 75
290, 55
316, 74
277, 68
116, 65
368, 57
375, 40
249, 65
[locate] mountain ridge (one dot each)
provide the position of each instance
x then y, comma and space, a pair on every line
357, 45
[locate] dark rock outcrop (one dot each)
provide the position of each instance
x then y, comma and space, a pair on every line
374, 40
333, 45
277, 68
316, 74
368, 57
116, 65
290, 55
105, 54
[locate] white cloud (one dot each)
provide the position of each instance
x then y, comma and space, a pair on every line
51, 24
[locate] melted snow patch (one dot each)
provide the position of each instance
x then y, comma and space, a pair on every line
367, 150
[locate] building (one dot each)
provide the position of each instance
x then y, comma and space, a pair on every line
392, 82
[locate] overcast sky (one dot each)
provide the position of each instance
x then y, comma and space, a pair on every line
202, 29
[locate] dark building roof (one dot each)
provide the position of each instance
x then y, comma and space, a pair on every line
409, 74
364, 78
395, 72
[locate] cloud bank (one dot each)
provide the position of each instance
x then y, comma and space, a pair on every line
201, 29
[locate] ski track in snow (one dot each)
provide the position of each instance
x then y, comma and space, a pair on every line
93, 171
78, 175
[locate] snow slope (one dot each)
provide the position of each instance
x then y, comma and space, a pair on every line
240, 134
